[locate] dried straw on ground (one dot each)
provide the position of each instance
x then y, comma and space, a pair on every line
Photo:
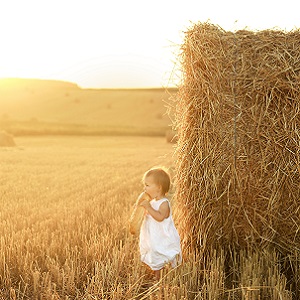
238, 123
6, 140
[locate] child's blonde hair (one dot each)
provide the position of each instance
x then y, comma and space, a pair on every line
161, 177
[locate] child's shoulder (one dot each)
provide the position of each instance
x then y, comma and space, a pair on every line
164, 199
160, 201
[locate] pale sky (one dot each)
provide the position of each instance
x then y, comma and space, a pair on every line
118, 43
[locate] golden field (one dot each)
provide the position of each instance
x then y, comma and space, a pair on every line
66, 202
65, 206
38, 107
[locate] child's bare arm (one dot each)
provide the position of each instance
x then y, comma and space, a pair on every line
159, 215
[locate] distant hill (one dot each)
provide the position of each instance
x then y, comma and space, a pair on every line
31, 106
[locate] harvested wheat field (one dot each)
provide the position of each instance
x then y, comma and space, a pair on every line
65, 207
238, 120
66, 203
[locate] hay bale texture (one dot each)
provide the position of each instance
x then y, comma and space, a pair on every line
238, 124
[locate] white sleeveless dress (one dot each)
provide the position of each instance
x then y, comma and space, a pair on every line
159, 241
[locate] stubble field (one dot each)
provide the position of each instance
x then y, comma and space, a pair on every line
65, 204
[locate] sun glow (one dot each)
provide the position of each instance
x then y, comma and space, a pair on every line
116, 43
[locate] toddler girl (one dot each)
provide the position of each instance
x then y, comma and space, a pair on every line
159, 239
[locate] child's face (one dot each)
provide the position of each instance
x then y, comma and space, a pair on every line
151, 188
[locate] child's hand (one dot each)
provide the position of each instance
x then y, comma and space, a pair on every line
145, 204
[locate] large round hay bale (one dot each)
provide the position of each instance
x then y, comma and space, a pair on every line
6, 140
238, 123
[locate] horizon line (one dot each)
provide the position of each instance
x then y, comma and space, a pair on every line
87, 87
